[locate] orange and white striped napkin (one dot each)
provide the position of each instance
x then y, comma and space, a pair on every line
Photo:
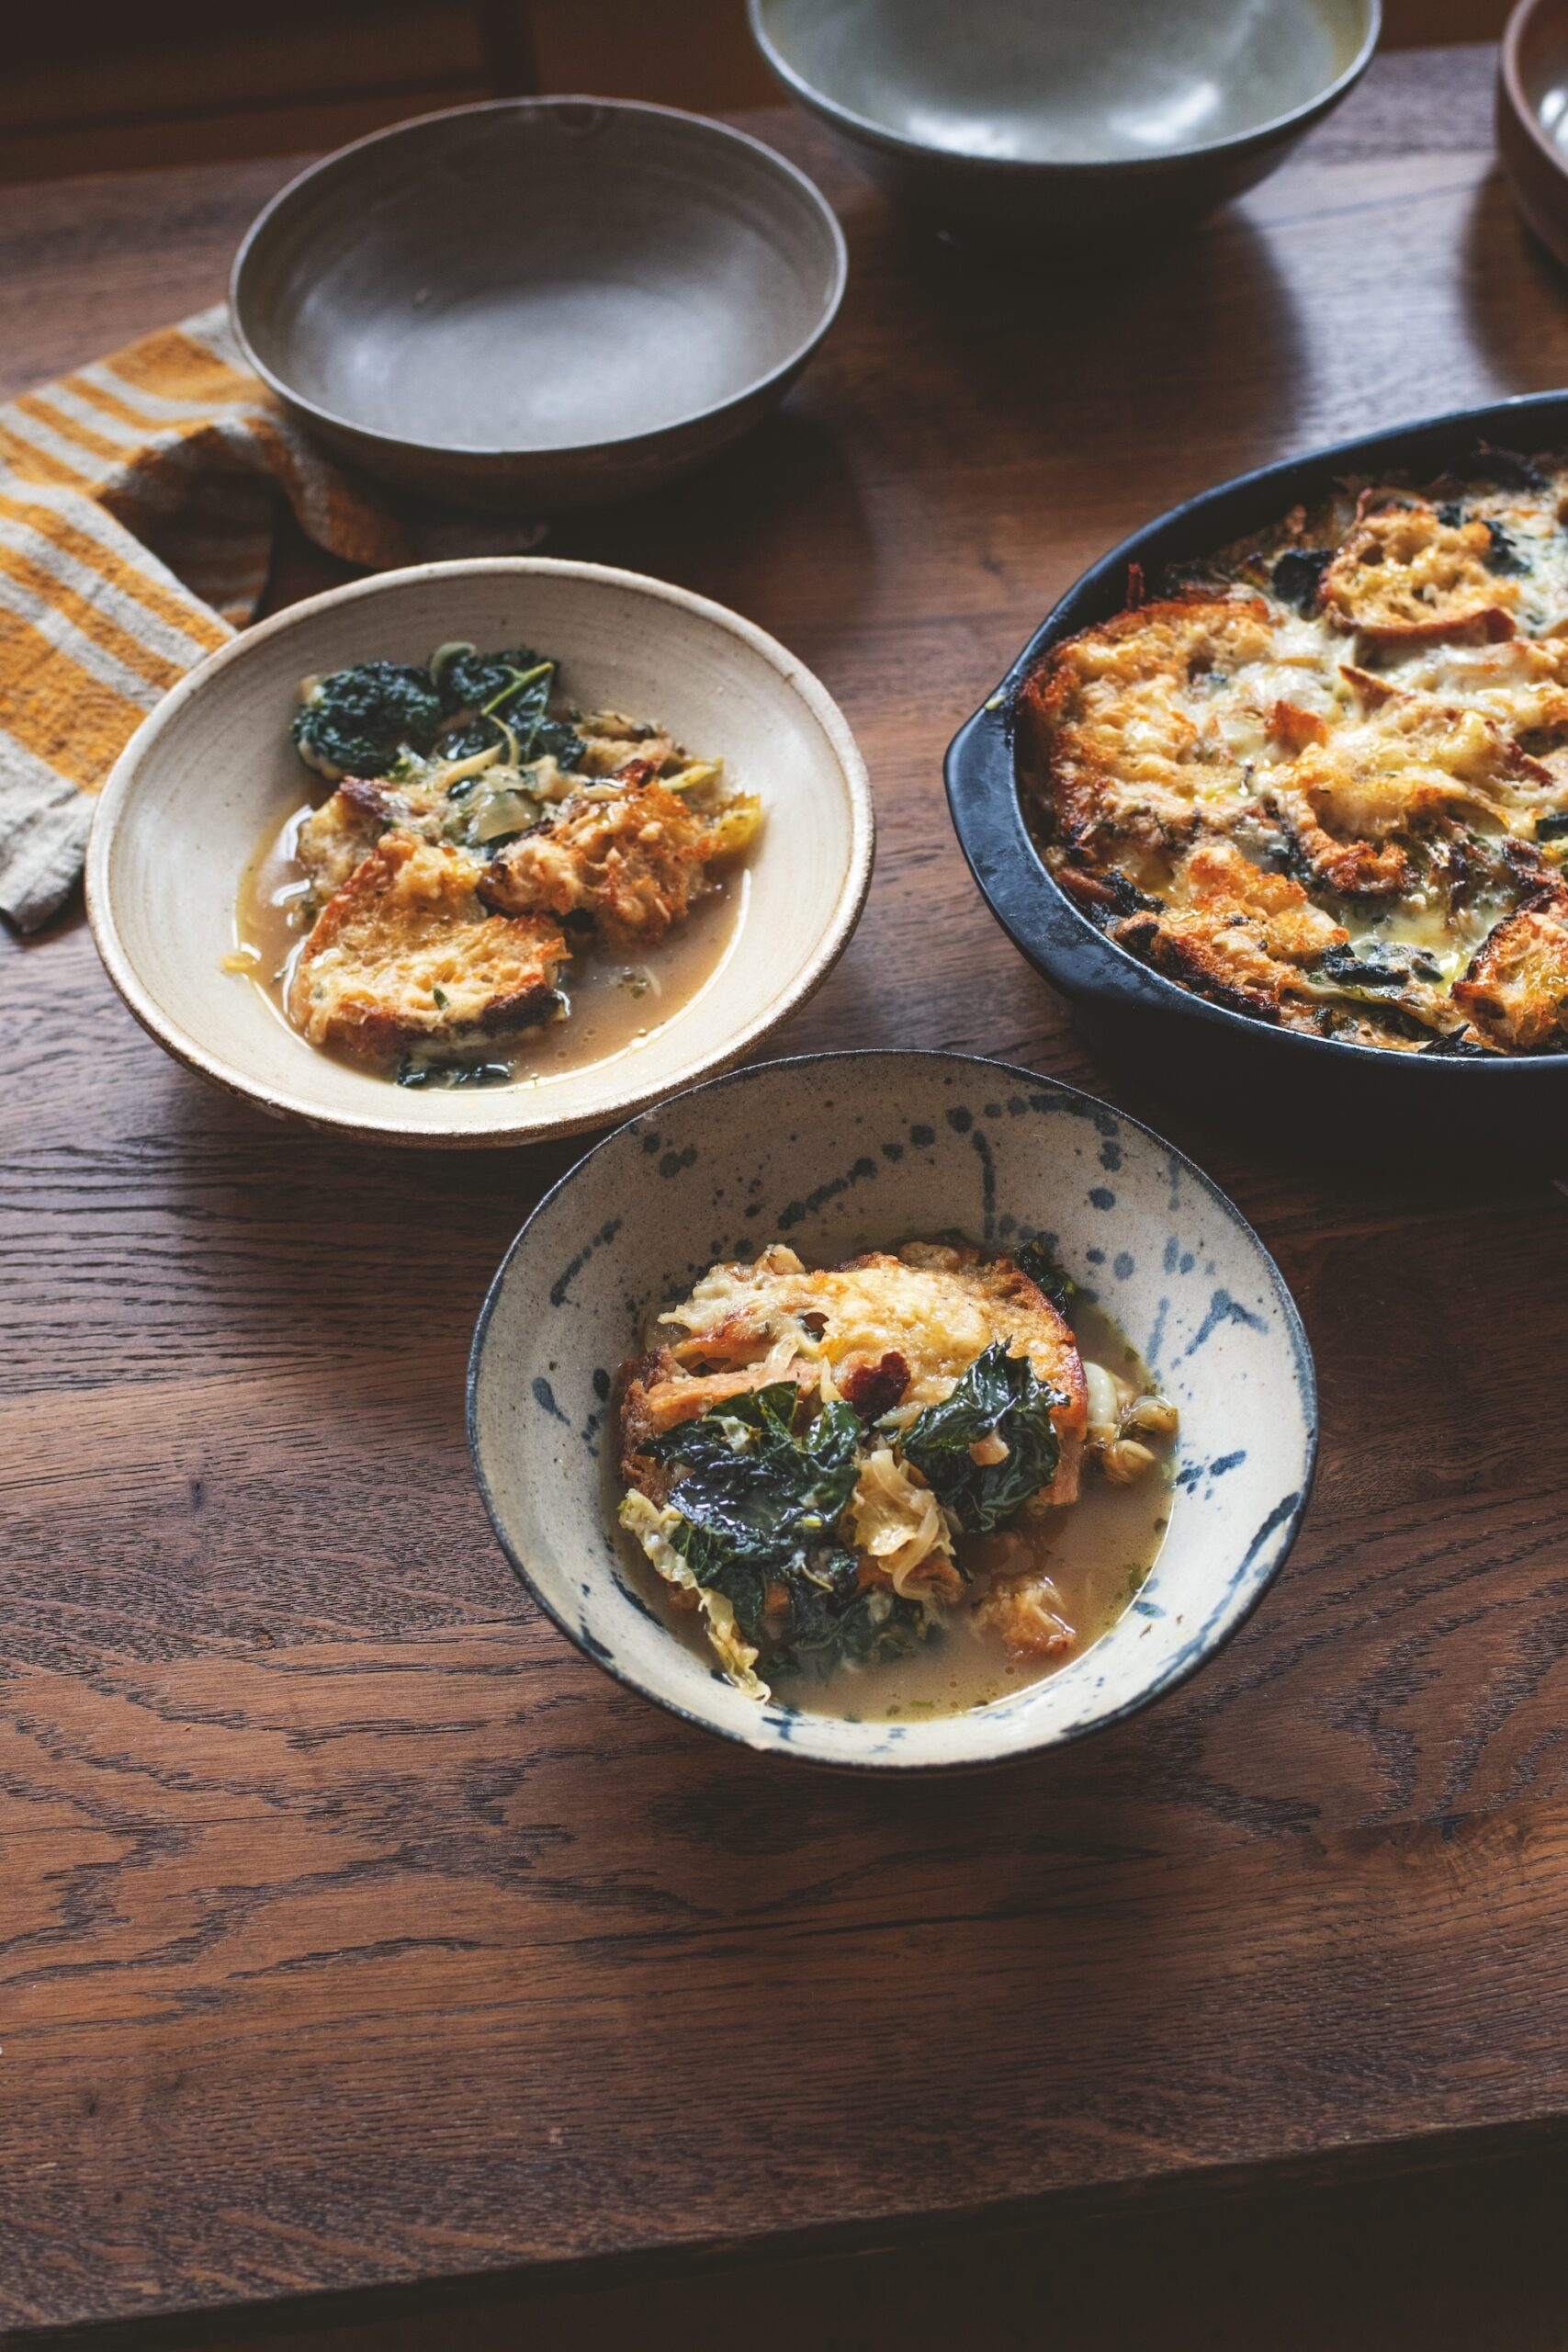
138, 503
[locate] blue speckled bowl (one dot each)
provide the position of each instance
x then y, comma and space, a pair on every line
841, 1152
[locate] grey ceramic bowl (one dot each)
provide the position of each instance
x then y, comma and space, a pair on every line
843, 1151
213, 768
539, 303
1090, 122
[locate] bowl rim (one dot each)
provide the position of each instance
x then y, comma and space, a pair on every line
1199, 1651
1012, 877
625, 1100
833, 111
1511, 82
563, 452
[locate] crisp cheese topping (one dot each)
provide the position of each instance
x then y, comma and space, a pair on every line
1325, 783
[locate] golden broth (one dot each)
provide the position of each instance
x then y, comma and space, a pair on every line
616, 1005
1098, 1550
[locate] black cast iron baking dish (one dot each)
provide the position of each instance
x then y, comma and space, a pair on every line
1137, 1013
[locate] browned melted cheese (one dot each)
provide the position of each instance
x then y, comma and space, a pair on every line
1326, 784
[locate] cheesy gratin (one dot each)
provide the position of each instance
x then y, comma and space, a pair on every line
834, 1467
483, 850
1323, 779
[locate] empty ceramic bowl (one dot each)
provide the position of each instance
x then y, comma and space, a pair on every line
538, 303
1532, 117
213, 772
1087, 121
841, 1152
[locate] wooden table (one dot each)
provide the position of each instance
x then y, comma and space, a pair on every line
357, 1932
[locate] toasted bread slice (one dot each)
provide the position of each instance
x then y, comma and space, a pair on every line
1408, 761
930, 1311
1213, 954
1404, 575
407, 954
627, 853
1234, 933
1516, 989
345, 829
1122, 726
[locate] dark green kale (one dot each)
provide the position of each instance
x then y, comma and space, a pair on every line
1033, 1259
1002, 1396
1298, 574
1503, 555
468, 678
414, 1073
361, 721
1126, 899
761, 1508
1375, 967
1460, 1045
865, 1628
1551, 828
1509, 470
502, 699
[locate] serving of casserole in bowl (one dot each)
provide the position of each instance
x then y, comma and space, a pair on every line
892, 1409
480, 852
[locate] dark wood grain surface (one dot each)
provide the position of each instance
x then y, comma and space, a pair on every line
353, 1931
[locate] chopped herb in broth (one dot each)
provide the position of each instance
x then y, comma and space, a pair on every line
891, 1484
474, 899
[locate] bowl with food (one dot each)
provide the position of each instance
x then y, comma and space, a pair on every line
899, 1410
1278, 791
480, 853
1088, 126
538, 303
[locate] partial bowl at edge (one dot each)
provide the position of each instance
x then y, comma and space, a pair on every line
1102, 126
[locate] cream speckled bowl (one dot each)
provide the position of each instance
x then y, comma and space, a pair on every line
840, 1152
213, 766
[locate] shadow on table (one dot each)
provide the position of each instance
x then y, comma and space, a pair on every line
1507, 330
1103, 353
776, 527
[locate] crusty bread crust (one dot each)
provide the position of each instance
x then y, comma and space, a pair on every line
1516, 989
627, 853
406, 952
1404, 576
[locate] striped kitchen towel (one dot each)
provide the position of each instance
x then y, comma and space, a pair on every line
138, 501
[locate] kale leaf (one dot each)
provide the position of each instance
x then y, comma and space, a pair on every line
759, 1510
417, 1073
1298, 575
361, 721
1033, 1259
871, 1626
468, 678
1460, 1044
752, 1486
503, 698
1509, 470
1001, 1395
1375, 966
